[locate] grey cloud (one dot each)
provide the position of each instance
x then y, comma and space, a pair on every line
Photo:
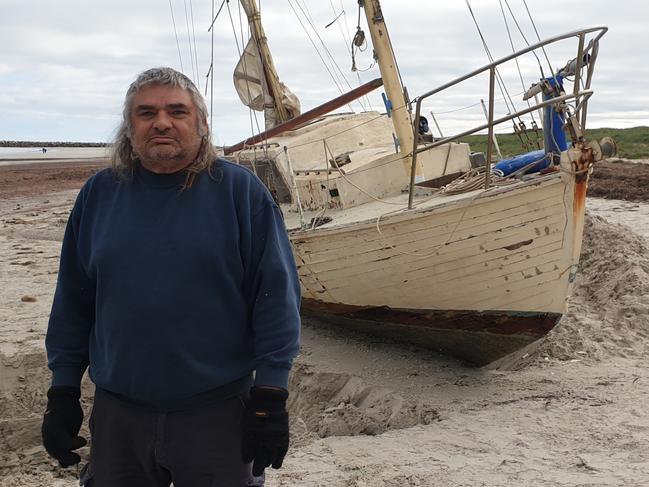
73, 60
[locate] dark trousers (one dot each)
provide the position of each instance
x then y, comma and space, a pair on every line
132, 446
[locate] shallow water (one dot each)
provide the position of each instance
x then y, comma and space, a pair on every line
18, 155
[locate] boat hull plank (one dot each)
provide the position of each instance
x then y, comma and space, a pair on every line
478, 254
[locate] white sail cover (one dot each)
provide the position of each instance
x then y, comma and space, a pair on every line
249, 80
250, 83
290, 101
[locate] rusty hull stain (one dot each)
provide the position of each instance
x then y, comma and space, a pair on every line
476, 337
535, 325
579, 204
582, 165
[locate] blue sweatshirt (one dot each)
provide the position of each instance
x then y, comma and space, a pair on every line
167, 294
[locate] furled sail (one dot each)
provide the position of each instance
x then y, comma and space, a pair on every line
250, 84
255, 78
249, 79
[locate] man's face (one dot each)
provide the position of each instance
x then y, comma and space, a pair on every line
165, 131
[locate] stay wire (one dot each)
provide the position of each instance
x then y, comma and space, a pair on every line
243, 40
252, 113
520, 30
552, 71
234, 30
499, 79
520, 127
347, 40
189, 41
473, 105
511, 42
333, 77
349, 34
214, 17
245, 70
539, 38
241, 56
307, 16
173, 20
211, 71
191, 10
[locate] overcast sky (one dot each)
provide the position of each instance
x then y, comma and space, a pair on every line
65, 65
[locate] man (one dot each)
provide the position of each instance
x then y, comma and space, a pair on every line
176, 285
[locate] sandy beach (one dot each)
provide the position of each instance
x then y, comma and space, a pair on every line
369, 413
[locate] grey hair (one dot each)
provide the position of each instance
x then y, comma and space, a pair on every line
123, 158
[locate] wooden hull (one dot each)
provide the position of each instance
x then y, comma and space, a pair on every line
477, 337
478, 276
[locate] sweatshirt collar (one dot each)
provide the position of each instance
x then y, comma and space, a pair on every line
150, 178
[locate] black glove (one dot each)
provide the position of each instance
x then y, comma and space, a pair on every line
61, 424
265, 429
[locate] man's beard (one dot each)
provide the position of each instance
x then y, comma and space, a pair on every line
161, 153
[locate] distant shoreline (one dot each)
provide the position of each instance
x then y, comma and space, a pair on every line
31, 143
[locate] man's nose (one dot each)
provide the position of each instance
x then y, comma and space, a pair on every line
162, 121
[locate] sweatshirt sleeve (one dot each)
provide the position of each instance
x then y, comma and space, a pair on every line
73, 309
276, 298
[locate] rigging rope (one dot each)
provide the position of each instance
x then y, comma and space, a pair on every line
243, 40
539, 38
234, 30
520, 129
348, 42
524, 38
191, 10
511, 42
307, 16
214, 17
472, 105
359, 43
344, 176
333, 77
173, 20
211, 70
189, 41
499, 79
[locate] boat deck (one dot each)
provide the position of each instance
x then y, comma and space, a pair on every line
367, 214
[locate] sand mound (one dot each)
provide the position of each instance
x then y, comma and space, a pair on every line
325, 404
321, 404
609, 309
24, 378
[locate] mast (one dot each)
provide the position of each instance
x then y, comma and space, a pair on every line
272, 80
391, 80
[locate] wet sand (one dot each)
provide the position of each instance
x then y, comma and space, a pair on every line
27, 179
366, 412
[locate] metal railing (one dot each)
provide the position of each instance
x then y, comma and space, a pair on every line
580, 95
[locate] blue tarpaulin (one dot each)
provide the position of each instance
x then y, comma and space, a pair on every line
513, 164
553, 137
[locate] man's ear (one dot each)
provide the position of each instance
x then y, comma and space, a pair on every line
203, 127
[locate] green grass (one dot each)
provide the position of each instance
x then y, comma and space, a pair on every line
632, 143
